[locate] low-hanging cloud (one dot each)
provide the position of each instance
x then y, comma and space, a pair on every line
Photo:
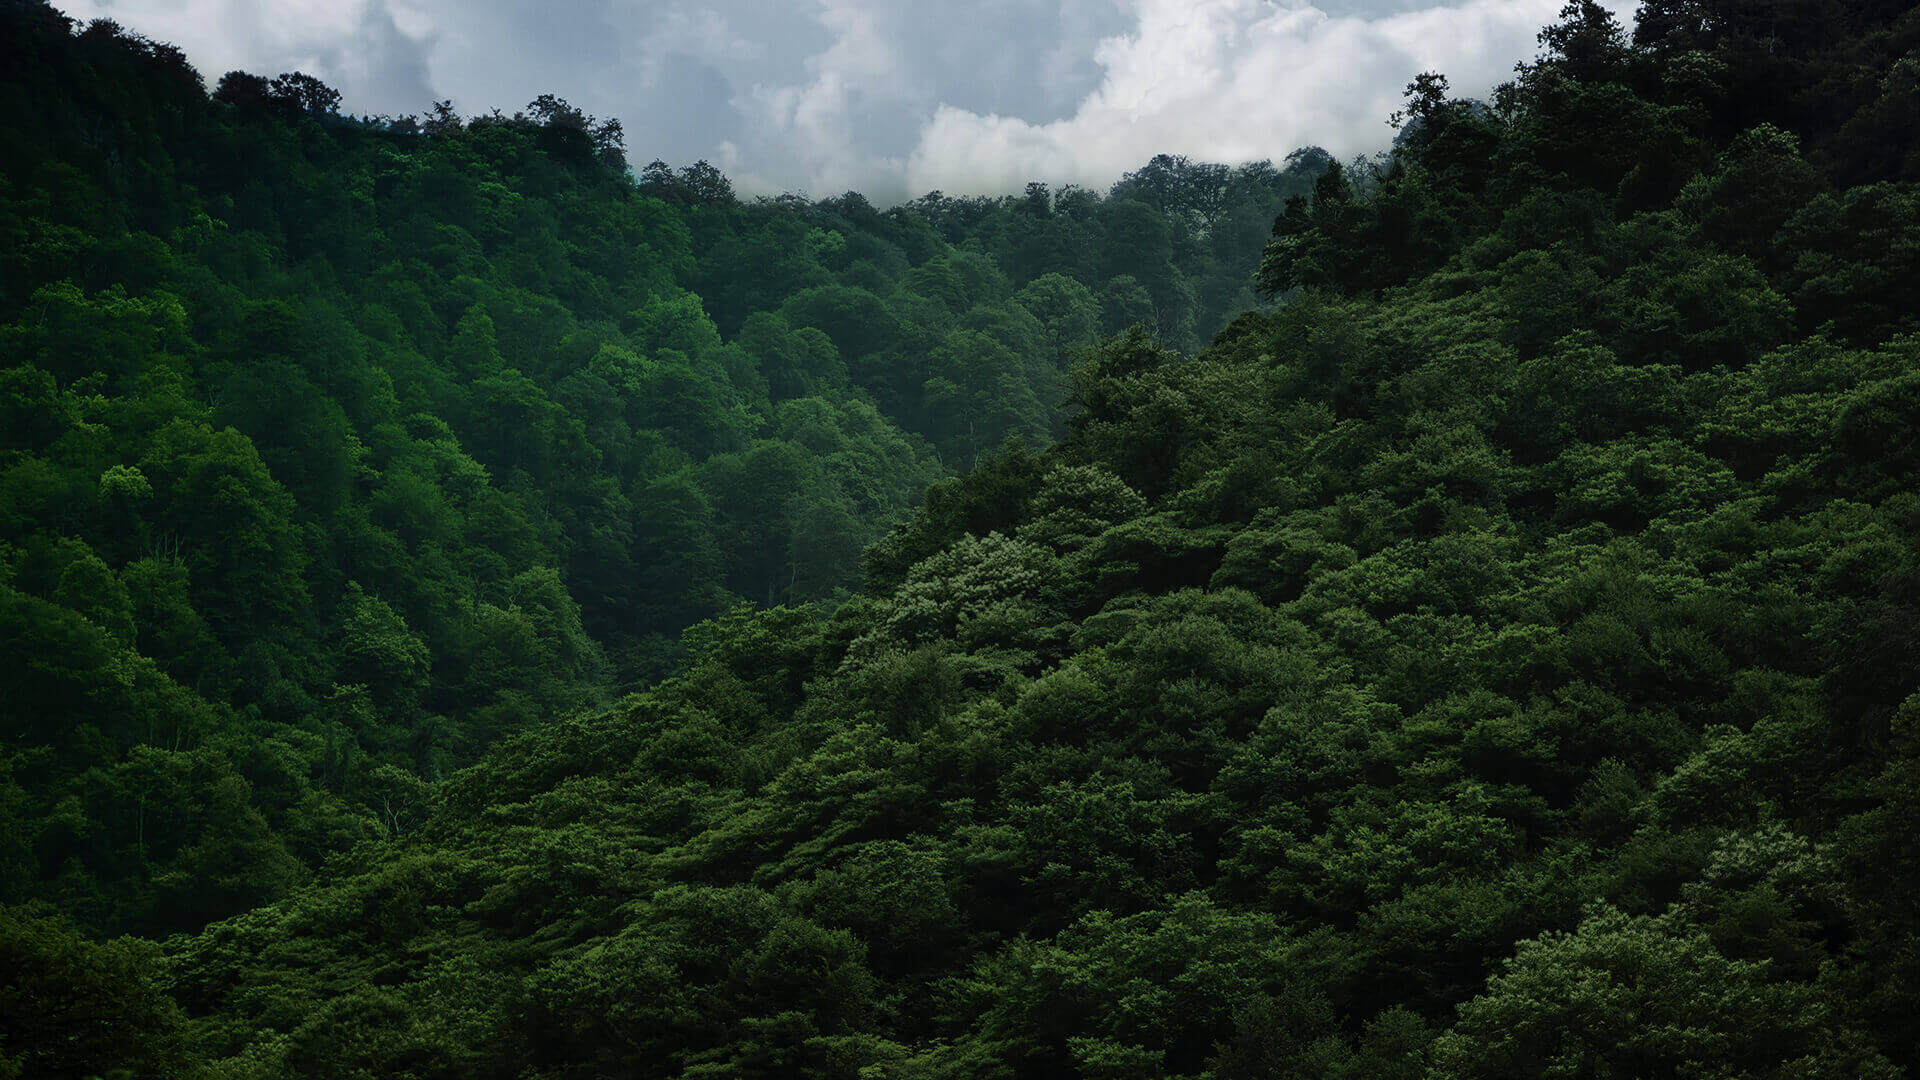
889, 97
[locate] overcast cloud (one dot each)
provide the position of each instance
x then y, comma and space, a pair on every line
889, 97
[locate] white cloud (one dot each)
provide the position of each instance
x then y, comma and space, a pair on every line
694, 31
1233, 80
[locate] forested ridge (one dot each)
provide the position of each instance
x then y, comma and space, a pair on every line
473, 610
337, 448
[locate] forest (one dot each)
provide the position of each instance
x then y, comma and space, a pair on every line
472, 607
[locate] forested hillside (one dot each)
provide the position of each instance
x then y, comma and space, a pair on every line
337, 448
1498, 657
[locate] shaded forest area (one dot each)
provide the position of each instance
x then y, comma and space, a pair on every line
338, 448
1499, 657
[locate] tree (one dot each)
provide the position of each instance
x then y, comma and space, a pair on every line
1068, 313
242, 90
706, 185
443, 120
1760, 182
75, 1008
551, 111
678, 555
377, 649
1637, 996
305, 93
610, 144
1587, 45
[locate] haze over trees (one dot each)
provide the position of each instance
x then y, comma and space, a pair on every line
469, 608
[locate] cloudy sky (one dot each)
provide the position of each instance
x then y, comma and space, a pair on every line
889, 97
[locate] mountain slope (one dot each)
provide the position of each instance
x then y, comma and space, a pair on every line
1494, 661
336, 449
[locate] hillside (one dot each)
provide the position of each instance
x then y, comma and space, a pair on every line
1495, 658
338, 448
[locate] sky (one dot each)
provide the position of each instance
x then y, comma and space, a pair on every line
892, 98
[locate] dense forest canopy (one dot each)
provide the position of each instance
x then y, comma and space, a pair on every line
340, 447
469, 608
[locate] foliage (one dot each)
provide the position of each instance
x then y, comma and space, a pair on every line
1493, 659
